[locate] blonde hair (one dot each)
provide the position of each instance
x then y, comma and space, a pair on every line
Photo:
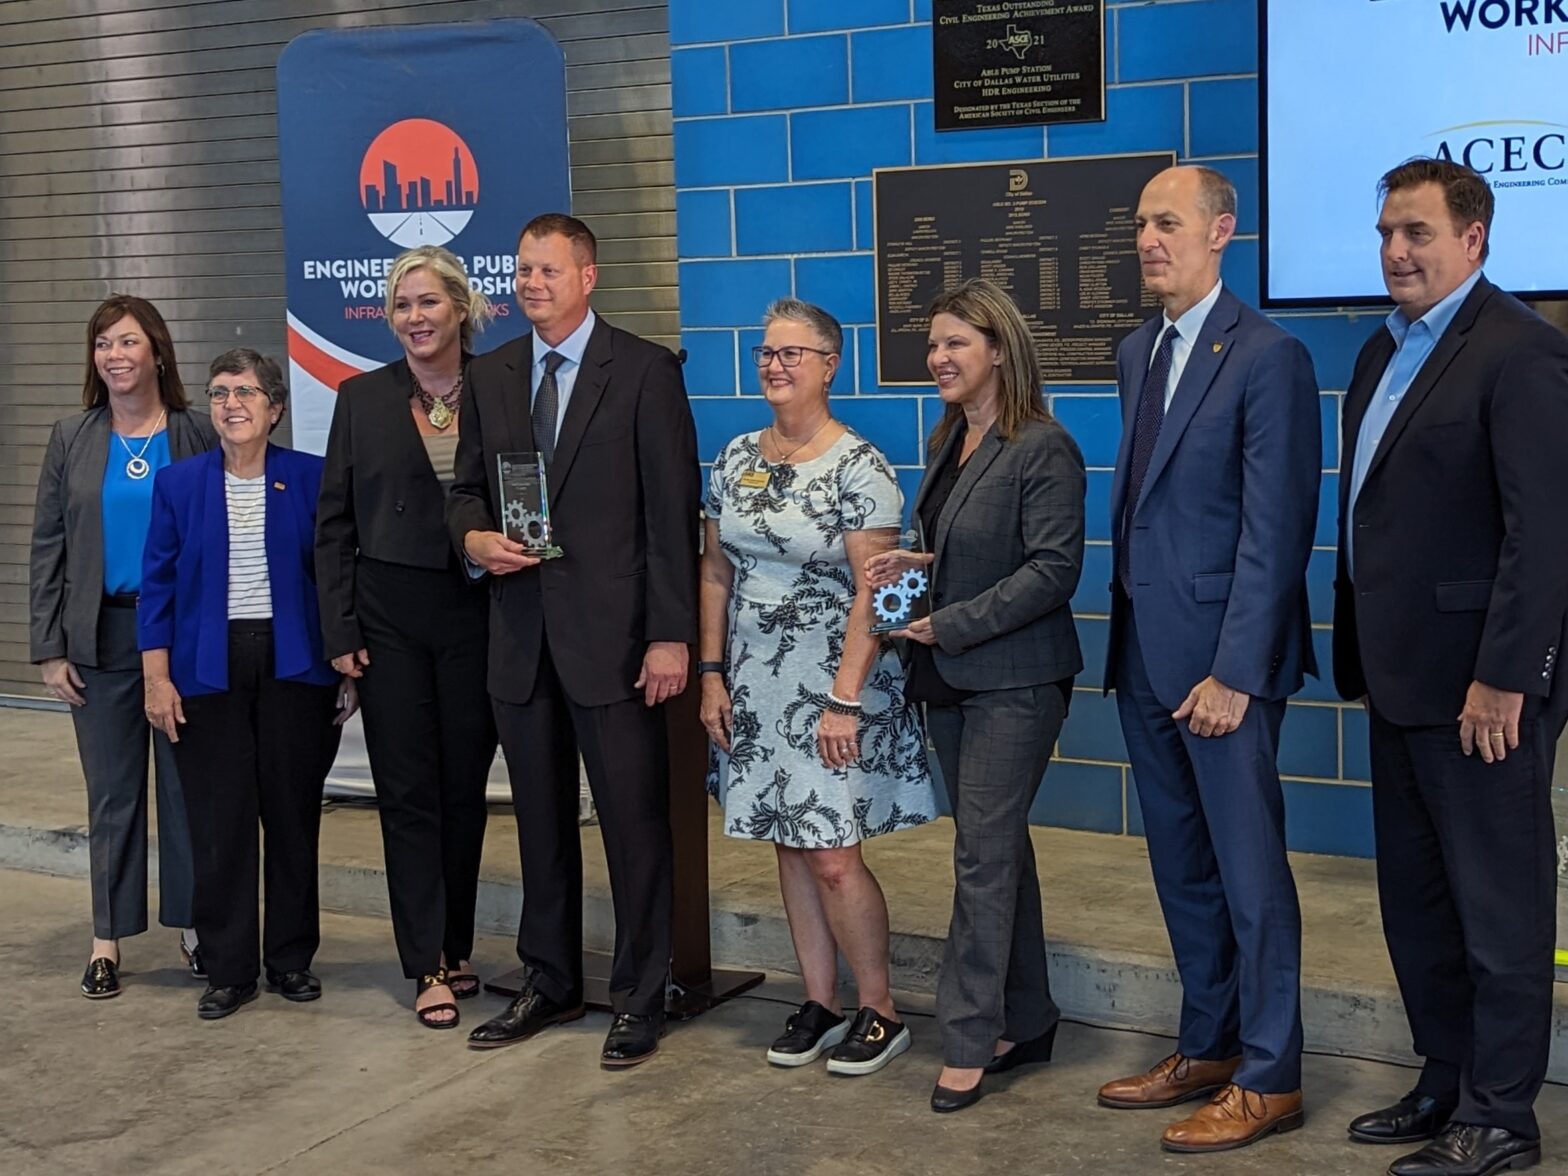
987, 308
475, 308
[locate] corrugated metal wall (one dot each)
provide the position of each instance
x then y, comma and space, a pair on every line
138, 152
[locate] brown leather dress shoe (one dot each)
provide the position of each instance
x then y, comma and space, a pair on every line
1234, 1118
1177, 1079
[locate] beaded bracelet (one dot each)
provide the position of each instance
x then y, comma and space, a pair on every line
843, 706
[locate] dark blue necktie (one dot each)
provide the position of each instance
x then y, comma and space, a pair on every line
1145, 433
547, 402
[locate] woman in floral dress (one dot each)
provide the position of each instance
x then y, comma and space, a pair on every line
815, 747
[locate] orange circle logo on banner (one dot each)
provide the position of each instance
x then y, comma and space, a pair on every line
419, 183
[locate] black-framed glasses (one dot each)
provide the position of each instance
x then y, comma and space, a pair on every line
788, 356
245, 393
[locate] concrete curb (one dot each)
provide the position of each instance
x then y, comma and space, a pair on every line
1102, 988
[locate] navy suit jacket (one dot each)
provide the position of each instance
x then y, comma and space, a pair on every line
184, 605
1220, 536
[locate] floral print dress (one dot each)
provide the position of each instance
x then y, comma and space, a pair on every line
789, 612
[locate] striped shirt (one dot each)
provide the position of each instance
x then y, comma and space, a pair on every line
250, 592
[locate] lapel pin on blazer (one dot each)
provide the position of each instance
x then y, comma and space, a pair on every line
1218, 347
279, 486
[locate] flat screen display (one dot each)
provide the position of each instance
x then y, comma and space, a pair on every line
1350, 88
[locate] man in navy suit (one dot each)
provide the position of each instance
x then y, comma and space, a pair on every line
1212, 515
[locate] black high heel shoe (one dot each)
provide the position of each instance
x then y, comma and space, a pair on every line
944, 1099
191, 958
1025, 1053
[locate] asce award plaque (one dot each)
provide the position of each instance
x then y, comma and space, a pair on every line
1007, 63
525, 503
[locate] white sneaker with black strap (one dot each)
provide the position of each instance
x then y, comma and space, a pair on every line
809, 1033
873, 1042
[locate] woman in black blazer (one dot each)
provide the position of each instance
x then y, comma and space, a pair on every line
94, 503
399, 614
1002, 506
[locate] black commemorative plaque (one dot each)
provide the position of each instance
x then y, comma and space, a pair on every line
1004, 63
1058, 235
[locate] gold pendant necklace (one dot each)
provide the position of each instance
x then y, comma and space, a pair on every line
440, 411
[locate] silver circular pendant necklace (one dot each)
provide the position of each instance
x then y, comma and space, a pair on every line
138, 467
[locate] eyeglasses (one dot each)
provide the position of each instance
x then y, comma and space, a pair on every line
245, 393
788, 356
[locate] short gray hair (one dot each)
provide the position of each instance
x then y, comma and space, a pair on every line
1216, 194
241, 360
794, 310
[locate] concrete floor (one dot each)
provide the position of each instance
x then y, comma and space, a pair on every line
1109, 955
351, 1084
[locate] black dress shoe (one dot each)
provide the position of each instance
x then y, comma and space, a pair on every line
944, 1099
1413, 1118
530, 1012
101, 980
633, 1038
218, 1002
296, 986
1025, 1053
1464, 1149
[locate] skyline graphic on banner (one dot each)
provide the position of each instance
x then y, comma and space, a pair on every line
419, 183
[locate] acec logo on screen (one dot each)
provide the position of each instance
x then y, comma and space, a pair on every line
419, 183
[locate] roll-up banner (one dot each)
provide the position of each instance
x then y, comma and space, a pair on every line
451, 135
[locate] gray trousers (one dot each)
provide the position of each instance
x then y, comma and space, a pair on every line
993, 749
112, 738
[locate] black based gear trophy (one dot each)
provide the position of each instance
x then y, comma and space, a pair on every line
906, 599
525, 503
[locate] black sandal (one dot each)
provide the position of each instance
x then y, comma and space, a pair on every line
423, 985
464, 985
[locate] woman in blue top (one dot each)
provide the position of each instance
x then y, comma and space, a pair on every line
236, 678
94, 499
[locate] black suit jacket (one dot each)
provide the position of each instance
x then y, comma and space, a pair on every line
624, 492
1461, 527
65, 581
380, 497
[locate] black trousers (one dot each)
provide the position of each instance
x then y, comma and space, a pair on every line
431, 739
112, 738
259, 750
1466, 872
624, 748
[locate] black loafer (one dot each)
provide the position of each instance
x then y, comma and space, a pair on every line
218, 1002
873, 1042
296, 986
632, 1039
1464, 1149
945, 1100
1412, 1119
1025, 1053
101, 980
530, 1012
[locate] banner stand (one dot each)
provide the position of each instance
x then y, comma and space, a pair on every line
695, 985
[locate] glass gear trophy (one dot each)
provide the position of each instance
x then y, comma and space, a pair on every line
905, 600
525, 503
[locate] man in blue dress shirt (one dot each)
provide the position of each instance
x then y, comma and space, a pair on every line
1449, 616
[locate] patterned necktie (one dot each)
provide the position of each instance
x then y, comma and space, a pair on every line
1145, 433
546, 403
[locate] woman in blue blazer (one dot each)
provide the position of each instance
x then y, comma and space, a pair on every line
235, 676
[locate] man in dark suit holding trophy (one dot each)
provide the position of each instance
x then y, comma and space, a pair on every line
585, 647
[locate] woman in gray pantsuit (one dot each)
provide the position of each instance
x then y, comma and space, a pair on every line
94, 503
1001, 506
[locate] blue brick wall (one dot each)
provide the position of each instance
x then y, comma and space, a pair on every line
784, 107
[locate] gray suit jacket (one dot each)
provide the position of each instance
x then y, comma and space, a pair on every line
1009, 551
65, 581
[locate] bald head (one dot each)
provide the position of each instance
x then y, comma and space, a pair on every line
1186, 218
